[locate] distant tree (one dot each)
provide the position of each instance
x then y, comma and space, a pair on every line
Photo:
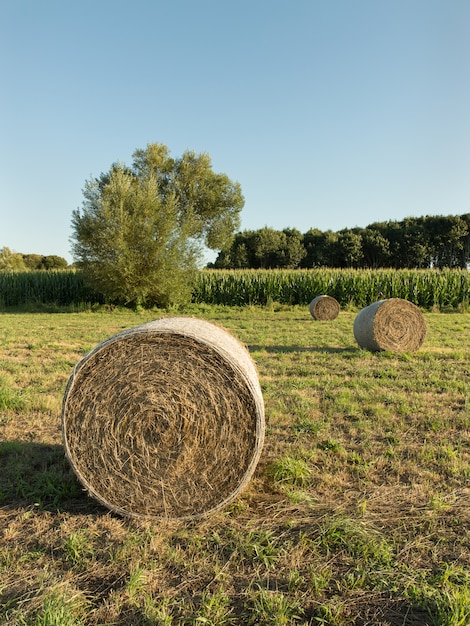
265, 248
416, 246
349, 248
392, 232
38, 262
375, 248
11, 261
32, 261
294, 250
320, 248
141, 230
54, 262
408, 243
448, 235
312, 242
430, 241
237, 256
465, 241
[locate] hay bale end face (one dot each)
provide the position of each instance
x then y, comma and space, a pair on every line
396, 325
165, 420
324, 308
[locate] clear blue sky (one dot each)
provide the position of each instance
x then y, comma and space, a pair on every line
329, 113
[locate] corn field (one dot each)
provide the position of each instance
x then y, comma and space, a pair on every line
62, 288
356, 288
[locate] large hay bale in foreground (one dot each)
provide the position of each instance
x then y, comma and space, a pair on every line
394, 324
165, 420
324, 308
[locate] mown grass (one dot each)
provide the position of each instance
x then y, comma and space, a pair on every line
358, 513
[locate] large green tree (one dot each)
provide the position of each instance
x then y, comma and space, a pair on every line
140, 234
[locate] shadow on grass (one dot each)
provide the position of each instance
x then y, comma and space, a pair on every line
36, 474
289, 349
388, 610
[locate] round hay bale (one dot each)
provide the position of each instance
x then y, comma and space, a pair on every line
165, 420
393, 324
324, 308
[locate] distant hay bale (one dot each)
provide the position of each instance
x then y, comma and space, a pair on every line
324, 308
394, 324
165, 420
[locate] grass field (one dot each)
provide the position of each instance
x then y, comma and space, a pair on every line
358, 513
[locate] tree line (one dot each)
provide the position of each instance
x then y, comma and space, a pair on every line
412, 243
17, 262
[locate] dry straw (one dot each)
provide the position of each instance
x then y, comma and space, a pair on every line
165, 420
324, 308
394, 324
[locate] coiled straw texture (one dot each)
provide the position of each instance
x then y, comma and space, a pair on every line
394, 324
165, 420
324, 308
